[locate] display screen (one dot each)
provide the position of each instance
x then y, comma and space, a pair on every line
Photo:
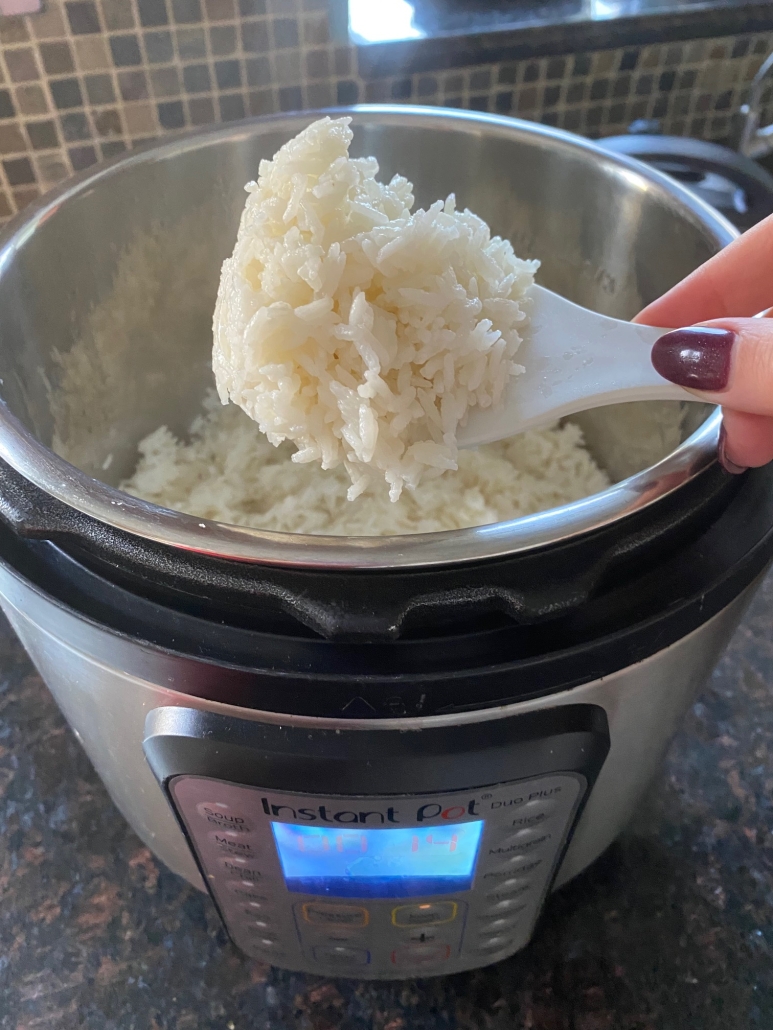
388, 863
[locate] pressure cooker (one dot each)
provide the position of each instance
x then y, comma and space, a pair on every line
378, 755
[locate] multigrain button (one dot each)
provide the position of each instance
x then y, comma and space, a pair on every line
429, 914
341, 955
533, 841
216, 813
320, 914
421, 954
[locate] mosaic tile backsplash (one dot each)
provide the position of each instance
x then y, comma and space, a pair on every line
85, 80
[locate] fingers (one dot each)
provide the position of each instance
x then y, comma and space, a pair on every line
735, 282
728, 361
746, 442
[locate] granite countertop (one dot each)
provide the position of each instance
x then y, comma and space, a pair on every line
671, 930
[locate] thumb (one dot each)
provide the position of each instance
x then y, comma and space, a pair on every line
728, 361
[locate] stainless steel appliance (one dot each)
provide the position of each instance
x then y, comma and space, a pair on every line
379, 755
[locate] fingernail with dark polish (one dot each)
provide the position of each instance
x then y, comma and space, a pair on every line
697, 358
727, 463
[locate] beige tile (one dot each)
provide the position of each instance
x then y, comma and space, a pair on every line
650, 57
49, 24
13, 30
140, 119
11, 139
605, 61
91, 54
24, 196
31, 100
51, 168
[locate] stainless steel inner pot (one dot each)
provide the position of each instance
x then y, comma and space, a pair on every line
107, 289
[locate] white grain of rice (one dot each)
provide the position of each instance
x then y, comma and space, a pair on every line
230, 473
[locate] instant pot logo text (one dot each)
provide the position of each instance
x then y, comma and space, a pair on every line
429, 812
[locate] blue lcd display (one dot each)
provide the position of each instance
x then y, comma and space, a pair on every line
378, 863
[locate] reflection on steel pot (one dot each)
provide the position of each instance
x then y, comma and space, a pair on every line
378, 754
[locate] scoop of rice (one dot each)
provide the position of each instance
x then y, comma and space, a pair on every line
360, 331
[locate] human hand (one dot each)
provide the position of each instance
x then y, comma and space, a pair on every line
726, 355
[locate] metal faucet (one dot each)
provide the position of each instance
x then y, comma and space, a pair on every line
756, 140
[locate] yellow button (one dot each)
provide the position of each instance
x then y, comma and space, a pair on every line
429, 914
335, 915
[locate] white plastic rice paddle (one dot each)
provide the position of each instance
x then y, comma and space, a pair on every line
574, 360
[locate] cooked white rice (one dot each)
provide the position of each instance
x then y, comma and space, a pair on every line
229, 472
362, 332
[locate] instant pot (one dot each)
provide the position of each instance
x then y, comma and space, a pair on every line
378, 755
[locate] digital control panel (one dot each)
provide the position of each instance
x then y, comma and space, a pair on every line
379, 887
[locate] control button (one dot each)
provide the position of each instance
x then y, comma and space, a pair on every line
421, 954
509, 883
239, 868
494, 944
341, 955
505, 906
268, 944
216, 813
526, 836
513, 864
260, 935
257, 925
424, 936
232, 842
500, 924
257, 909
425, 915
524, 846
320, 914
509, 889
271, 951
245, 889
535, 812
